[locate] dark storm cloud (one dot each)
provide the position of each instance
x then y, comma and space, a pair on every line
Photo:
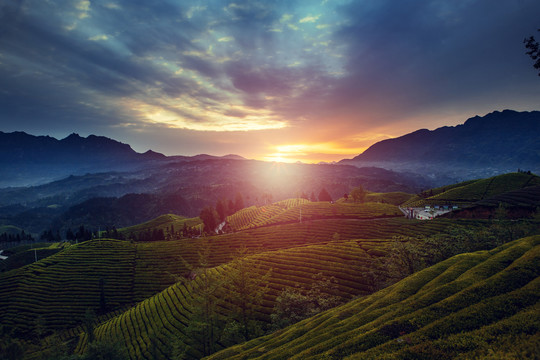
413, 54
346, 65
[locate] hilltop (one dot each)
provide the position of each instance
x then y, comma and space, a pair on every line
515, 194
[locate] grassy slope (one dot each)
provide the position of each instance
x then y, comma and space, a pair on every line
466, 306
394, 198
26, 254
469, 192
62, 286
165, 315
288, 211
162, 222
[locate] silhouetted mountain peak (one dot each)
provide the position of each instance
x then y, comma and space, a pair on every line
500, 141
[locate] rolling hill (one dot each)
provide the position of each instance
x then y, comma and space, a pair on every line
474, 192
145, 292
482, 304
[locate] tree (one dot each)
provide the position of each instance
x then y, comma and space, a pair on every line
88, 324
209, 216
221, 210
501, 212
324, 195
105, 350
247, 291
312, 198
358, 194
533, 51
203, 326
295, 304
238, 202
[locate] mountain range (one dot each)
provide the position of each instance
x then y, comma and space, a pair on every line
496, 143
45, 182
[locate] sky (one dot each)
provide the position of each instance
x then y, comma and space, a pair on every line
307, 81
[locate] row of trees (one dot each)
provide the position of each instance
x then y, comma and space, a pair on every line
7, 238
209, 327
408, 255
213, 216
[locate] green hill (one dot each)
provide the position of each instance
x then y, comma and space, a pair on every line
27, 254
169, 224
143, 291
157, 320
476, 305
394, 198
61, 287
469, 192
297, 210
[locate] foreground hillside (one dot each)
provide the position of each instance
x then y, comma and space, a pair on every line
483, 304
188, 297
162, 320
128, 272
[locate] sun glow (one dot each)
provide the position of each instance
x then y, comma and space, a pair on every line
311, 153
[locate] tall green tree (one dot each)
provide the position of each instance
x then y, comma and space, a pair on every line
221, 209
358, 194
210, 218
204, 327
324, 195
238, 202
88, 324
247, 288
301, 302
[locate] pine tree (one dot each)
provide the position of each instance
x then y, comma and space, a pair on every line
324, 195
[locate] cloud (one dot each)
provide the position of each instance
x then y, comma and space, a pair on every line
309, 19
360, 68
101, 37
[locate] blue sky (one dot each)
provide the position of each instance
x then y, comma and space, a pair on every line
275, 80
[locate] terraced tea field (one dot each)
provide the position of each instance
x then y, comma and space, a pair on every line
298, 210
469, 192
60, 288
165, 315
142, 291
475, 305
165, 223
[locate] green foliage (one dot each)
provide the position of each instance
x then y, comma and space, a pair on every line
301, 302
164, 223
246, 292
88, 324
468, 192
210, 218
470, 305
408, 255
10, 348
324, 195
394, 198
358, 194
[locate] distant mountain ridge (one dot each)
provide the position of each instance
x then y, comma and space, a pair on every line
496, 143
31, 160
